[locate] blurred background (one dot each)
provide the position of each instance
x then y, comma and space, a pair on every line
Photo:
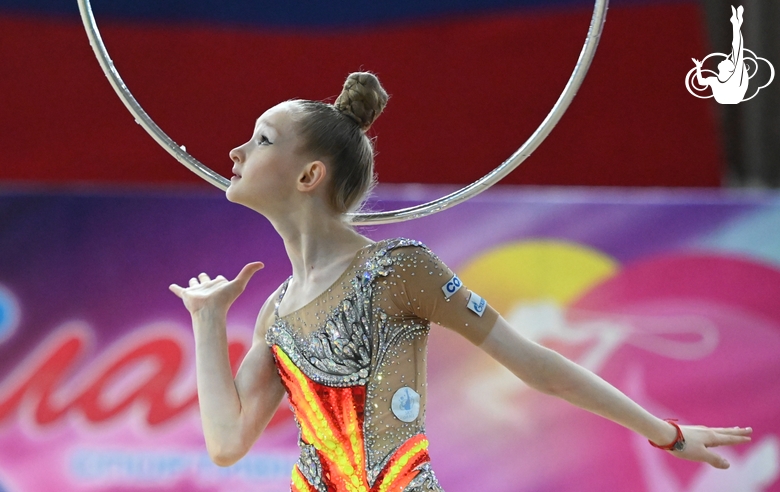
642, 238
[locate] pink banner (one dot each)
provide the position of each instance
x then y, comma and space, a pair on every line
672, 297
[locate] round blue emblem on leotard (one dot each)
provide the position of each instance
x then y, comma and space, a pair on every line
406, 404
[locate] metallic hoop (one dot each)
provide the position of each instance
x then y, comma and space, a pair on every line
415, 212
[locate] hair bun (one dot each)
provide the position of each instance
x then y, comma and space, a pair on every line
362, 98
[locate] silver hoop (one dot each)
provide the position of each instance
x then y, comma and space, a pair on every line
425, 209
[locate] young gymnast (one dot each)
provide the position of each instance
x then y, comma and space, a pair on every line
345, 336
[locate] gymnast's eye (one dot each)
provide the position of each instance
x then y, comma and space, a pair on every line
263, 140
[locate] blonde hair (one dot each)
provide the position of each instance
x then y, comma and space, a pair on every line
337, 133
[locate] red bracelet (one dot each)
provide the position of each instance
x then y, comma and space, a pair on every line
679, 442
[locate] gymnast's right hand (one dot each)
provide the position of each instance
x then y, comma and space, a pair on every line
214, 296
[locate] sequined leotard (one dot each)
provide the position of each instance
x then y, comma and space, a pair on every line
353, 364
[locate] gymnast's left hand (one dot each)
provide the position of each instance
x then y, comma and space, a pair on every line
214, 296
699, 440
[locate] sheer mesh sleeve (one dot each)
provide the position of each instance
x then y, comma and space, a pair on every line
426, 288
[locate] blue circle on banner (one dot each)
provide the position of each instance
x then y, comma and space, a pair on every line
9, 318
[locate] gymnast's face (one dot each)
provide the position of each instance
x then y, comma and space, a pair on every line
266, 167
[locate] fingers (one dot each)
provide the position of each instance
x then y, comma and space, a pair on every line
246, 273
202, 278
728, 436
727, 441
716, 460
735, 431
241, 279
699, 441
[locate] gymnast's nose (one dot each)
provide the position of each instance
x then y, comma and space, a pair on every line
237, 155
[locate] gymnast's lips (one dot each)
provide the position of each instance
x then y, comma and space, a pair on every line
236, 174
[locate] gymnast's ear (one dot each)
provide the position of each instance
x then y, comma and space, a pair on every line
312, 176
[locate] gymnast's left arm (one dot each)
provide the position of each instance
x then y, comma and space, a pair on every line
549, 372
432, 291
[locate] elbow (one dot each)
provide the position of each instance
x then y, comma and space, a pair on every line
222, 460
554, 377
227, 445
225, 459
225, 456
559, 389
546, 386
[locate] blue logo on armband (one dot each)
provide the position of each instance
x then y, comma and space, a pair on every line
452, 286
477, 304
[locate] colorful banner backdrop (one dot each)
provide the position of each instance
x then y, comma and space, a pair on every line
671, 296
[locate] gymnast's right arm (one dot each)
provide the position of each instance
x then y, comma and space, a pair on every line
234, 411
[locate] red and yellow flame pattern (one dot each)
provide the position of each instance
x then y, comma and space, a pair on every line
331, 420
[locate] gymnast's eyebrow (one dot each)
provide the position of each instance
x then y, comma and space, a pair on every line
269, 125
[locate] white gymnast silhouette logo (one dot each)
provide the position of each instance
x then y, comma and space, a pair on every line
730, 84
